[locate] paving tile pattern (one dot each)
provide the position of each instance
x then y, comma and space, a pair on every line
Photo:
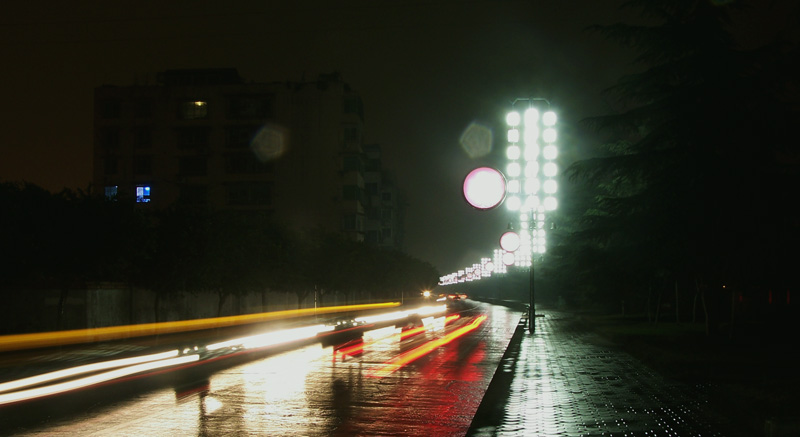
568, 381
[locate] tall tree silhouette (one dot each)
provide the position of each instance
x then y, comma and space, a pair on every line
695, 175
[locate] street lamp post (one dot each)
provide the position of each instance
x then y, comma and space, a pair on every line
527, 188
531, 184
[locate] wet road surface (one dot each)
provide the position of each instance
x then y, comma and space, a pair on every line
566, 381
428, 382
562, 381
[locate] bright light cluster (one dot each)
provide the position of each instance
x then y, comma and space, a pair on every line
530, 192
475, 272
531, 173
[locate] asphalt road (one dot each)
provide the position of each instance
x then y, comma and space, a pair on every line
424, 381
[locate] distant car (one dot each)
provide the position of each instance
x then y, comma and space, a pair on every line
344, 330
346, 323
455, 300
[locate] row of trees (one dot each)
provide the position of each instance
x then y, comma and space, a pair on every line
67, 239
695, 183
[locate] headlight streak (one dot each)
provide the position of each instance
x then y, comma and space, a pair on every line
134, 365
396, 315
404, 359
272, 338
94, 379
15, 391
435, 324
88, 368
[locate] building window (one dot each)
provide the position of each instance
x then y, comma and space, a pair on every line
374, 164
194, 110
142, 194
193, 138
353, 222
373, 213
193, 166
351, 134
386, 233
239, 137
111, 192
353, 105
349, 222
111, 109
246, 163
143, 109
109, 138
193, 195
386, 197
143, 165
352, 163
110, 165
142, 138
352, 192
258, 106
372, 237
372, 188
386, 214
249, 194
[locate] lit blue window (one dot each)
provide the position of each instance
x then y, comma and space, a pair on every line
111, 192
142, 194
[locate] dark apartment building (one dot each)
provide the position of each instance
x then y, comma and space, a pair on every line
207, 138
385, 204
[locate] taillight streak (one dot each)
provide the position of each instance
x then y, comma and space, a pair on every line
359, 348
404, 359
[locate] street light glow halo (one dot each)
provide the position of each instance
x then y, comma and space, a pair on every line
513, 135
550, 169
513, 152
514, 203
550, 152
531, 116
550, 203
549, 118
484, 188
513, 118
509, 241
549, 135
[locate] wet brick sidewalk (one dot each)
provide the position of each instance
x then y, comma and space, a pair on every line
566, 381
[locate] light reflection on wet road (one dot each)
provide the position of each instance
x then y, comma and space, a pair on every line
315, 391
565, 380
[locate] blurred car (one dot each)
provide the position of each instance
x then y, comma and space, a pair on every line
345, 329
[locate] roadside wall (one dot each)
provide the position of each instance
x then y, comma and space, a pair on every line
110, 304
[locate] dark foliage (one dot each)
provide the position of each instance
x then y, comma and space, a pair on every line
698, 174
70, 239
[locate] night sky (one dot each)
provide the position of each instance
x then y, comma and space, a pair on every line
425, 69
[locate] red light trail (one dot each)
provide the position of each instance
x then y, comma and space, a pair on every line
404, 359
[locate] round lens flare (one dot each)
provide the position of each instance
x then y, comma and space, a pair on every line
509, 241
484, 188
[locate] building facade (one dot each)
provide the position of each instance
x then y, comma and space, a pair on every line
385, 204
208, 139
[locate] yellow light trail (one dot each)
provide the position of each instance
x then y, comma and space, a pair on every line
77, 336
